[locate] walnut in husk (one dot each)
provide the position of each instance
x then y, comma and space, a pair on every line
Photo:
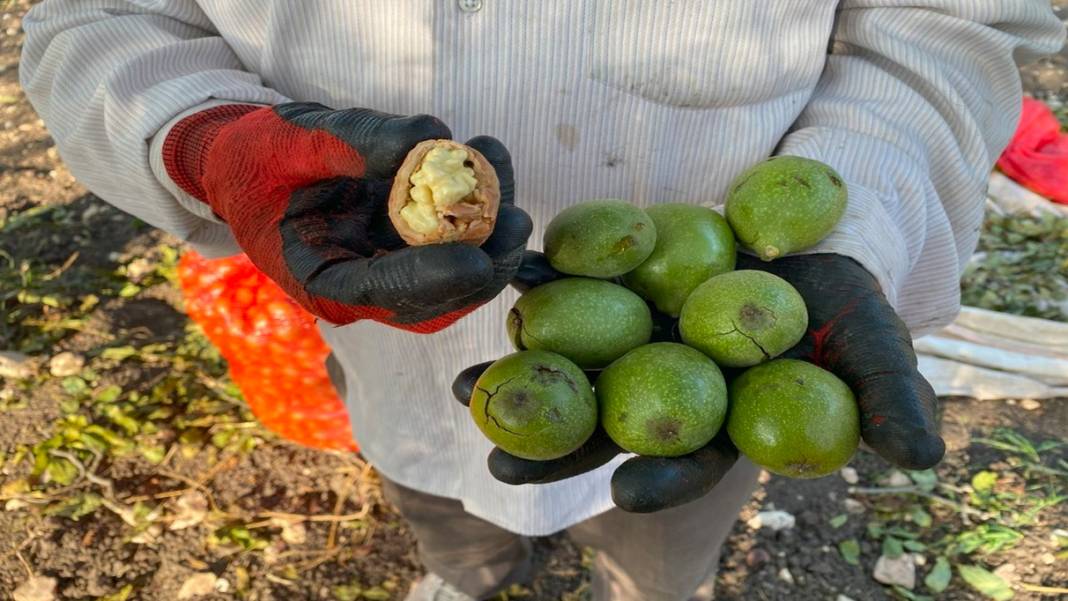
444, 192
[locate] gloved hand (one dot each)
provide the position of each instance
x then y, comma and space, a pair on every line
853, 332
304, 190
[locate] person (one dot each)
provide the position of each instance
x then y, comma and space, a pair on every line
231, 124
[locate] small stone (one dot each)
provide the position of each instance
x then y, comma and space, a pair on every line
66, 364
1030, 404
900, 571
138, 268
756, 558
764, 477
842, 597
15, 365
919, 559
786, 576
853, 506
1006, 571
849, 475
36, 588
293, 532
222, 585
896, 478
272, 551
197, 585
775, 520
15, 504
1048, 559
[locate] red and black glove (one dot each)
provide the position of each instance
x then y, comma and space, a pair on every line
853, 332
304, 190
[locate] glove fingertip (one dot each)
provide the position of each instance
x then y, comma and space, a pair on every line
464, 384
448, 270
912, 451
510, 233
512, 470
491, 148
534, 270
649, 484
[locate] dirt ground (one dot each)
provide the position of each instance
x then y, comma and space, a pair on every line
270, 520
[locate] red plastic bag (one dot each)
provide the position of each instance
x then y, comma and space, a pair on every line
1037, 156
274, 349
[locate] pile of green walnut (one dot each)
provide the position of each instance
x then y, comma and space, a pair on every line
669, 399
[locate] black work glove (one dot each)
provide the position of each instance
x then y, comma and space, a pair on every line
304, 189
853, 332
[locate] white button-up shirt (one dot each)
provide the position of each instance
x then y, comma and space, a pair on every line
910, 100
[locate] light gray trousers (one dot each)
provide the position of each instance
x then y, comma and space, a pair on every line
671, 555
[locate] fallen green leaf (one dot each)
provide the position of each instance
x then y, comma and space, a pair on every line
108, 394
74, 385
118, 353
986, 582
850, 550
914, 545
120, 595
61, 471
892, 547
839, 520
938, 578
347, 592
69, 405
984, 481
905, 593
154, 454
920, 517
75, 507
129, 290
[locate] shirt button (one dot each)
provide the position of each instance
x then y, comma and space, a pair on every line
470, 6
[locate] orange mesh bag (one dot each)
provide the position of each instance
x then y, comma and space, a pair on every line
273, 347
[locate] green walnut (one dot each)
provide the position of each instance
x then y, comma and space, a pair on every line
535, 405
662, 399
784, 205
591, 322
693, 243
793, 418
744, 317
599, 238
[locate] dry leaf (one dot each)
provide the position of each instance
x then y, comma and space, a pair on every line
148, 536
190, 510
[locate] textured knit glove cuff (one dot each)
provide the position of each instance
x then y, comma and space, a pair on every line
185, 150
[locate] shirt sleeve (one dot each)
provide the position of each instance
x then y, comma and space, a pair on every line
916, 102
107, 75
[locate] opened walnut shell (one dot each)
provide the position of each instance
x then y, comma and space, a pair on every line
444, 191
